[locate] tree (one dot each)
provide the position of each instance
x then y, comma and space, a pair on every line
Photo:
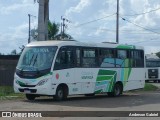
63, 36
53, 29
158, 54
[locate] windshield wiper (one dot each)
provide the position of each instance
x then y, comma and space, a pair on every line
35, 59
31, 60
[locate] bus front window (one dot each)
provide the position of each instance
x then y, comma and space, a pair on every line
36, 59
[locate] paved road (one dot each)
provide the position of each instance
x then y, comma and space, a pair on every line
132, 101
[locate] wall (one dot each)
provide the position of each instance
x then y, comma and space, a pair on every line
7, 69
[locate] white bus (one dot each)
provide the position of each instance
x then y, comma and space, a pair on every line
62, 68
153, 70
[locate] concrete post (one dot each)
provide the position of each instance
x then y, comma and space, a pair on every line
43, 17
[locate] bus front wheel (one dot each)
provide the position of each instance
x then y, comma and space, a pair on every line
30, 97
60, 94
117, 91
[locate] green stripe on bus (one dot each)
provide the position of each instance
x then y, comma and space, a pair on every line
106, 72
111, 85
101, 78
20, 83
98, 91
126, 46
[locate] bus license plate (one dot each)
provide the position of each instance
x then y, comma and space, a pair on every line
27, 91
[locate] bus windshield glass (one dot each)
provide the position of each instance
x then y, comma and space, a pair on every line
36, 58
153, 63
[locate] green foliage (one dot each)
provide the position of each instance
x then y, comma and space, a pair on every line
7, 92
53, 29
63, 36
150, 87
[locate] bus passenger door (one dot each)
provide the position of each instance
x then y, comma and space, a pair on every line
86, 61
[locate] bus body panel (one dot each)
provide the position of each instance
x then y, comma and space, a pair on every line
23, 85
88, 80
136, 79
93, 80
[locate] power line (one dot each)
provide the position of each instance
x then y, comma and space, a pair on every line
94, 20
122, 31
144, 12
150, 40
125, 30
140, 26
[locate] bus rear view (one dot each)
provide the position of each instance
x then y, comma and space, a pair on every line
153, 70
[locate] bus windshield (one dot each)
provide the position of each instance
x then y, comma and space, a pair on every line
153, 63
36, 58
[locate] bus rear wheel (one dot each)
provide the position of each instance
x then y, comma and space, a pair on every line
30, 97
117, 91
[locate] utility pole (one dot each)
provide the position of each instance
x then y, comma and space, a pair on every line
61, 29
43, 18
29, 33
117, 23
63, 26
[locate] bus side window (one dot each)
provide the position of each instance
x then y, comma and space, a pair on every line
137, 58
122, 59
65, 59
106, 58
88, 57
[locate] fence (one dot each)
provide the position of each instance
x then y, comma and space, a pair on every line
7, 69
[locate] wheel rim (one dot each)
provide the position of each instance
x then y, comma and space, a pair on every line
60, 94
117, 90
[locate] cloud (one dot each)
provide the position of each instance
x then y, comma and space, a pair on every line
151, 49
14, 39
81, 11
19, 6
15, 23
150, 21
79, 7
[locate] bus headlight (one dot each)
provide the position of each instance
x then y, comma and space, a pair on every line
42, 82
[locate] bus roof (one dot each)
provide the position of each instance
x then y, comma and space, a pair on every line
77, 43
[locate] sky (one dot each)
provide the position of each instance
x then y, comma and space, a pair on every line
91, 21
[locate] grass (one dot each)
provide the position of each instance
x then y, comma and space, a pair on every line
150, 87
147, 87
7, 92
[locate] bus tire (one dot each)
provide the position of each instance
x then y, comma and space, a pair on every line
60, 94
117, 91
155, 81
30, 97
